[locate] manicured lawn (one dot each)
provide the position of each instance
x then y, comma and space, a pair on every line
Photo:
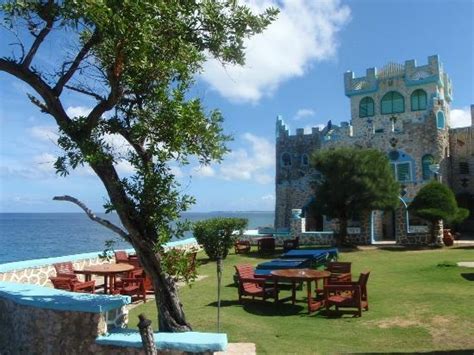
415, 305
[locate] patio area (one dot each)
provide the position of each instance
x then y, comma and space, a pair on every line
420, 301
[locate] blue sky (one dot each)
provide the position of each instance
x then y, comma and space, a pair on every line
295, 69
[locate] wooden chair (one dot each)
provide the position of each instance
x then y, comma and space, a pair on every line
251, 286
73, 285
65, 270
290, 244
121, 256
340, 271
348, 295
266, 245
242, 246
133, 286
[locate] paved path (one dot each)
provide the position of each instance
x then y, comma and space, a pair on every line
466, 263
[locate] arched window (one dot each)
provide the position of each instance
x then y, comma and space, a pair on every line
304, 160
440, 122
366, 107
392, 102
418, 100
426, 161
286, 159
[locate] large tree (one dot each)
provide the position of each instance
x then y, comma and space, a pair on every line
135, 61
353, 181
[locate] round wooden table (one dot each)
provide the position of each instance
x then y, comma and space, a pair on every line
108, 271
300, 275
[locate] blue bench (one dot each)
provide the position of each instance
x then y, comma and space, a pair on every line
279, 264
314, 254
187, 341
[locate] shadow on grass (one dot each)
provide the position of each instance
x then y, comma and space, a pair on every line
468, 276
263, 308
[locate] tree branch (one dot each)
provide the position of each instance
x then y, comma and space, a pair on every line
93, 217
75, 64
52, 103
84, 91
38, 40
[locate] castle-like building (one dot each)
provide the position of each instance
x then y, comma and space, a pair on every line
402, 110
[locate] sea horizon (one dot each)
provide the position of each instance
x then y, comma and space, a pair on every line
35, 235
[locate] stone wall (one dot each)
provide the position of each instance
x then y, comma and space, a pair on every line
31, 330
40, 275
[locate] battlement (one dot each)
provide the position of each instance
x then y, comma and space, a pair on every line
331, 131
410, 72
282, 130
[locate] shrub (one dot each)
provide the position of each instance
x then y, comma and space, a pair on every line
217, 235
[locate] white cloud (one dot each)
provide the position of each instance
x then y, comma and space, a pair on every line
461, 117
304, 33
76, 111
45, 133
254, 164
203, 171
303, 113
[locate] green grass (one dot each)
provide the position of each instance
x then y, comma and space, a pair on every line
418, 301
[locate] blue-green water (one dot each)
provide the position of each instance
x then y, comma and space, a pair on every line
25, 236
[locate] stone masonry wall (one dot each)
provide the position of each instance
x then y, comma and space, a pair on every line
29, 330
40, 275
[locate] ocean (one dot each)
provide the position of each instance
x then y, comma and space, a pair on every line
25, 236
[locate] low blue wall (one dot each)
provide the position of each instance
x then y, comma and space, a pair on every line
50, 298
35, 263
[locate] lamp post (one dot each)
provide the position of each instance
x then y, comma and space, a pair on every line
434, 168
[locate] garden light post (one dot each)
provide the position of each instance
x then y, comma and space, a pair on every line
219, 278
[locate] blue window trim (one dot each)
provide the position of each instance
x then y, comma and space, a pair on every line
391, 94
404, 158
438, 115
366, 101
419, 93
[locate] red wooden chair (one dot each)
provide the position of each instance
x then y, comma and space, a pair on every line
249, 285
65, 269
242, 246
74, 285
121, 256
348, 295
290, 244
340, 271
133, 286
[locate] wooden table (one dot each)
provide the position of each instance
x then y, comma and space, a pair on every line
108, 271
297, 276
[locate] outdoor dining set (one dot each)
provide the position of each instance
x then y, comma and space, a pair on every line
334, 285
126, 277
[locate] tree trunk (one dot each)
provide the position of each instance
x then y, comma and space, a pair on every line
436, 226
342, 237
171, 316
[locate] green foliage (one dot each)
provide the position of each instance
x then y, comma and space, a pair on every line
353, 180
217, 235
436, 201
180, 265
140, 59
